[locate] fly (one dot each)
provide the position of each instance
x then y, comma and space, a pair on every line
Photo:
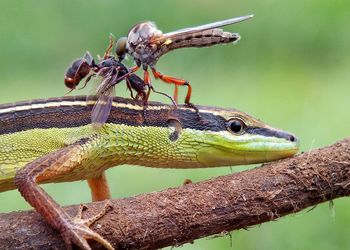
145, 43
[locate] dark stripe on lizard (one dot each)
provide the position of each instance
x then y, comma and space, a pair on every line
24, 116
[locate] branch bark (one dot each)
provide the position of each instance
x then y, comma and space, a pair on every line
181, 215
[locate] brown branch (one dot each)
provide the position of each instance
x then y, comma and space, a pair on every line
180, 215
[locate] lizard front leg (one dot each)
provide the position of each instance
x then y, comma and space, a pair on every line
59, 163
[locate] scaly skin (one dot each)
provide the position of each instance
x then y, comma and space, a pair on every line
121, 144
53, 141
23, 147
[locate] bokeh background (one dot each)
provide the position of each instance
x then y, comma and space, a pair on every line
291, 69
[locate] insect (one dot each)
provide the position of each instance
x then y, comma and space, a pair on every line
111, 71
107, 68
145, 43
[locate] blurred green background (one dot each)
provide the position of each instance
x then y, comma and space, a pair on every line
291, 69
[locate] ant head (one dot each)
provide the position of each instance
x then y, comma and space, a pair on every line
76, 72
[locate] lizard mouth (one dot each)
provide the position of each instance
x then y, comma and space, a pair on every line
248, 152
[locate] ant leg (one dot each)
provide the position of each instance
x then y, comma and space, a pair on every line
87, 80
128, 85
110, 46
69, 91
161, 93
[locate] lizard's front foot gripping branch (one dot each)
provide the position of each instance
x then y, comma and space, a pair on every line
73, 230
78, 230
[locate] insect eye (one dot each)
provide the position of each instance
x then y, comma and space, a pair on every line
236, 126
120, 48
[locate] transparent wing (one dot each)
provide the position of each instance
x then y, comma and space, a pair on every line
102, 108
105, 93
205, 27
97, 83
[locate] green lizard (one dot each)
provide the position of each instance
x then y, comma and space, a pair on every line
53, 140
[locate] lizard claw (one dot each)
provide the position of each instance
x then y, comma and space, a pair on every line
77, 231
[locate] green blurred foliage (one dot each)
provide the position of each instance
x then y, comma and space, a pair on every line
291, 69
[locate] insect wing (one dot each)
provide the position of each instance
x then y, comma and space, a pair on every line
105, 93
102, 108
204, 27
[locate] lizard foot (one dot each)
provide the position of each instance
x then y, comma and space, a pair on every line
77, 231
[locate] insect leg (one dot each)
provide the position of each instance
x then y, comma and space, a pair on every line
87, 80
147, 80
176, 93
171, 99
176, 81
110, 46
128, 85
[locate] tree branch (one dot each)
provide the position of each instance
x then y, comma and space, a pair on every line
180, 215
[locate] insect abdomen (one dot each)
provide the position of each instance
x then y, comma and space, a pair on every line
203, 39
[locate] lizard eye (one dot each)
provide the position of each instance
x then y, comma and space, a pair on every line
236, 126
